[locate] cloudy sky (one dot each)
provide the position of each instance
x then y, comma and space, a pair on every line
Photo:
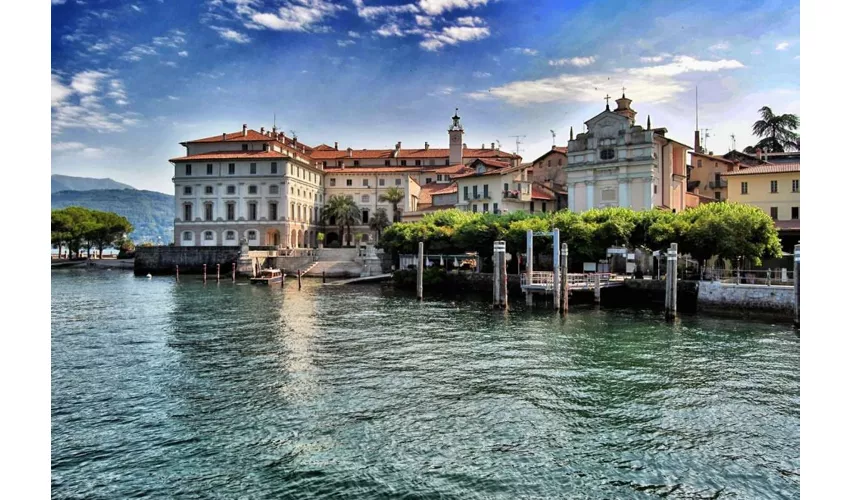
130, 80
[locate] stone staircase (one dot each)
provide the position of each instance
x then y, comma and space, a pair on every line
336, 263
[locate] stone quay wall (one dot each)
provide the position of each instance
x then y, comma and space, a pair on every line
717, 296
163, 260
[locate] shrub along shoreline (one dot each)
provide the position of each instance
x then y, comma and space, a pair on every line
724, 230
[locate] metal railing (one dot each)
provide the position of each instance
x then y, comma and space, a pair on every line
546, 279
715, 184
768, 277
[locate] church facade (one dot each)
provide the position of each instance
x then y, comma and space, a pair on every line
617, 163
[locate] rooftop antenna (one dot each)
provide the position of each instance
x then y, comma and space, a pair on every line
553, 137
733, 141
705, 137
498, 144
697, 108
294, 135
518, 142
274, 124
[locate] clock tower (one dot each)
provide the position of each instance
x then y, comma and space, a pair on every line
456, 140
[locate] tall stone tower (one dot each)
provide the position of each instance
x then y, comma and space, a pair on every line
456, 140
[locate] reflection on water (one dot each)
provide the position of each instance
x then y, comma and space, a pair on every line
230, 390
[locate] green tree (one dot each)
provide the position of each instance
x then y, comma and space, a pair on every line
778, 132
379, 221
107, 230
343, 211
394, 196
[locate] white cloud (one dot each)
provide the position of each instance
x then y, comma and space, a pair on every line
80, 104
481, 74
574, 61
523, 51
100, 47
373, 12
58, 91
686, 64
293, 15
172, 98
354, 34
117, 92
170, 63
442, 91
649, 84
62, 147
452, 35
782, 45
231, 35
469, 21
86, 82
720, 46
57, 2
183, 53
343, 43
390, 29
136, 53
174, 39
423, 20
756, 52
136, 8
655, 59
437, 7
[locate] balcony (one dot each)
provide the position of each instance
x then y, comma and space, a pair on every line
510, 195
717, 185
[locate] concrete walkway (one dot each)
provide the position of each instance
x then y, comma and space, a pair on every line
365, 279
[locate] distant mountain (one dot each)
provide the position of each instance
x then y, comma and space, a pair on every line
151, 213
69, 183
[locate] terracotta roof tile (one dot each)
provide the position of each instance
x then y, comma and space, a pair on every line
371, 170
231, 155
771, 168
446, 190
537, 193
788, 225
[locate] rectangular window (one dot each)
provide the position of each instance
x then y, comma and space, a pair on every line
364, 198
272, 211
252, 189
795, 186
474, 208
447, 162
403, 163
208, 190
231, 189
231, 235
386, 163
717, 195
324, 164
231, 169
380, 182
364, 217
466, 193
439, 177
717, 178
274, 167
252, 211
774, 186
774, 213
340, 163
187, 211
208, 211
543, 206
365, 182
486, 190
744, 188
244, 147
231, 211
273, 189
475, 191
187, 189
332, 182
398, 182
531, 206
506, 187
209, 169
356, 163
188, 169
485, 208
495, 208
428, 180
349, 182
418, 163
655, 189
795, 213
253, 168
187, 236
699, 163
431, 162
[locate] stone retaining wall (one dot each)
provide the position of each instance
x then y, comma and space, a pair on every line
760, 298
162, 260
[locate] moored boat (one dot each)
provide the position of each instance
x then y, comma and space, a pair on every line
267, 277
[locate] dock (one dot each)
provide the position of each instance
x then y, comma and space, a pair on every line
364, 279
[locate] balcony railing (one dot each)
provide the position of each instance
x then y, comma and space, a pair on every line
716, 185
511, 194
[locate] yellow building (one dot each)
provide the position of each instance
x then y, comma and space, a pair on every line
774, 188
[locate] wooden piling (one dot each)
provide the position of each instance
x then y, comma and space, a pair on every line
233, 278
565, 279
177, 273
597, 288
205, 273
217, 273
529, 265
556, 269
497, 269
323, 277
671, 284
420, 267
299, 279
797, 284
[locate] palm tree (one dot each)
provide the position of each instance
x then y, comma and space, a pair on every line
777, 131
393, 195
349, 216
379, 221
341, 208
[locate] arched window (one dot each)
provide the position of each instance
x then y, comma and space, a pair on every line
187, 236
187, 211
230, 235
607, 154
252, 235
208, 235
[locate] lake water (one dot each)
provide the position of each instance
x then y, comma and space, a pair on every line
187, 390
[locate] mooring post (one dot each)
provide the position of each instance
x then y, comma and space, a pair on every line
299, 279
556, 269
234, 273
670, 299
797, 283
205, 273
323, 277
420, 266
565, 279
217, 273
597, 288
529, 265
177, 273
504, 274
498, 256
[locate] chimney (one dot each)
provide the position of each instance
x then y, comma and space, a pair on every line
492, 145
224, 136
244, 130
482, 146
336, 145
426, 146
758, 153
696, 142
274, 130
262, 131
349, 152
398, 145
553, 147
464, 145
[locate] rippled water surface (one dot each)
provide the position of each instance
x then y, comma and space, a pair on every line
236, 391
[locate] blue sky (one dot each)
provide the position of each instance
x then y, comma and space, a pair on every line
130, 80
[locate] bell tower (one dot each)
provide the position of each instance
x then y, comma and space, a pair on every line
624, 108
456, 140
